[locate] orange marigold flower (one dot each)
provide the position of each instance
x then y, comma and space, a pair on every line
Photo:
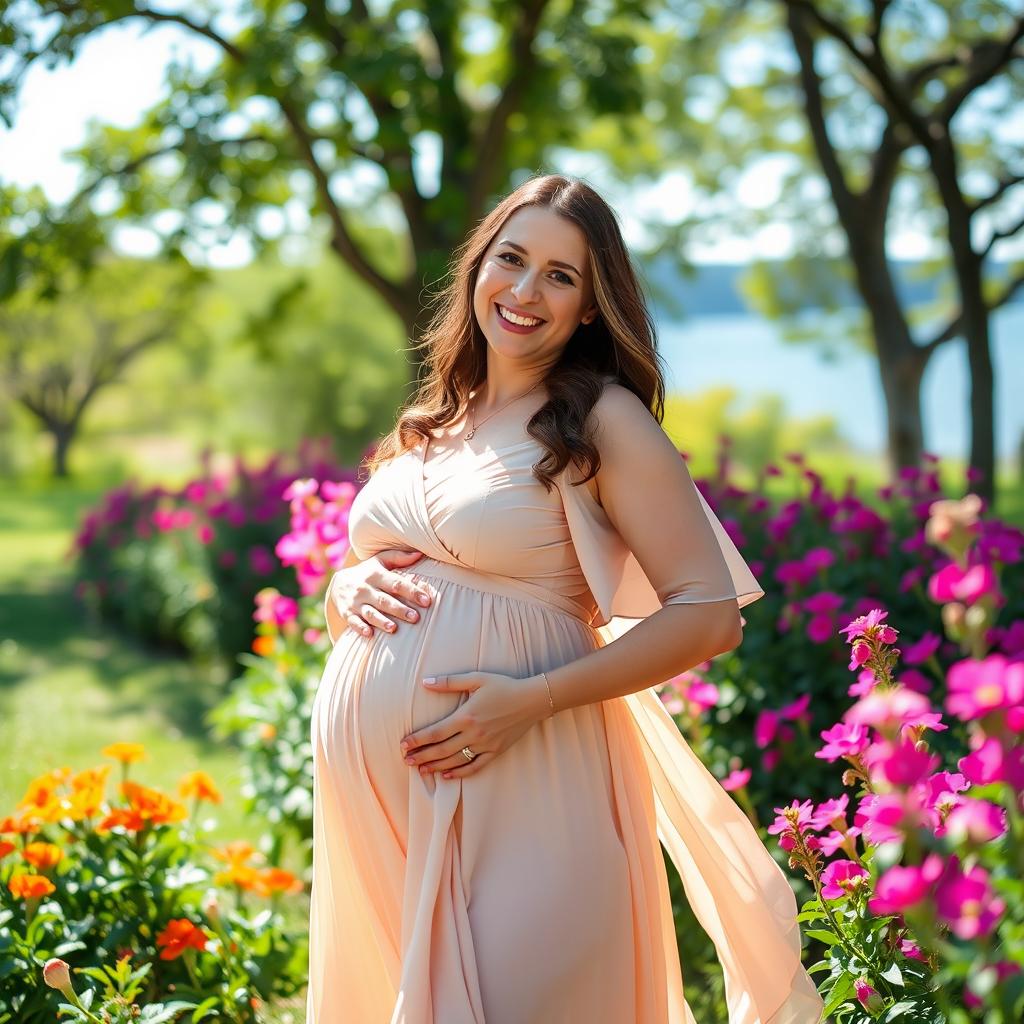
42, 856
6, 847
122, 817
42, 790
20, 824
244, 876
268, 732
279, 880
29, 887
152, 805
199, 785
263, 646
178, 936
126, 753
237, 852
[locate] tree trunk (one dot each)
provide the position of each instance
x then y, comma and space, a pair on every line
63, 435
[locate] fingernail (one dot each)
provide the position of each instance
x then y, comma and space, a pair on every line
410, 760
429, 681
405, 748
412, 615
424, 600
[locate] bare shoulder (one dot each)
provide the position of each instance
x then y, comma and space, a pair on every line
622, 425
621, 420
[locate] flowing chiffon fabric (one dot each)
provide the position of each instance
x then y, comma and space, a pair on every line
534, 891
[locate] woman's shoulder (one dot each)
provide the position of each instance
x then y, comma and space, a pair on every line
618, 412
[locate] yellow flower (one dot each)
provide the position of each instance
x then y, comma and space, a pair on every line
126, 753
199, 785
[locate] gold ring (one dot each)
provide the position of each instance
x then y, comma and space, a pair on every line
468, 754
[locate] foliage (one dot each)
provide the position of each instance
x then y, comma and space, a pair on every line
181, 567
94, 879
832, 557
921, 911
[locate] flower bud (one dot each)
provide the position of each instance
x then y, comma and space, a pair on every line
868, 997
57, 975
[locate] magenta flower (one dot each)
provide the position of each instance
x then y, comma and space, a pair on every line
976, 821
992, 762
736, 779
819, 558
843, 740
800, 812
868, 997
765, 727
965, 901
912, 950
979, 687
901, 763
952, 583
915, 653
835, 839
825, 814
901, 888
892, 708
914, 680
870, 626
797, 710
819, 629
840, 879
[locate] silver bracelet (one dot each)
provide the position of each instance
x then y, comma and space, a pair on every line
548, 685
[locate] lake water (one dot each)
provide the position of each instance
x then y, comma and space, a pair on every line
748, 354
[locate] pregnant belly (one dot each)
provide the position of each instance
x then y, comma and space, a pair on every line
372, 691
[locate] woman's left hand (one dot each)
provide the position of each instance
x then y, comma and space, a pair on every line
499, 710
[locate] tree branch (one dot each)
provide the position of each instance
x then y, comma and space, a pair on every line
986, 59
998, 236
1002, 187
1008, 292
523, 60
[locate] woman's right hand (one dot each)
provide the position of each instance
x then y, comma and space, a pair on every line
366, 593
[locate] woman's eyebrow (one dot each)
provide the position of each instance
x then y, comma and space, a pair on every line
554, 263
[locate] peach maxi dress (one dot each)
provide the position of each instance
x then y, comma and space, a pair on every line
533, 892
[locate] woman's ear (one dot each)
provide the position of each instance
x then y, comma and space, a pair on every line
590, 315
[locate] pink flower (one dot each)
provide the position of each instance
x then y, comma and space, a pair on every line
965, 901
840, 878
819, 629
765, 727
979, 687
869, 626
977, 821
991, 762
891, 708
822, 603
966, 585
900, 764
912, 950
886, 817
770, 759
736, 779
819, 558
828, 812
843, 740
796, 816
915, 653
868, 997
797, 710
901, 888
702, 694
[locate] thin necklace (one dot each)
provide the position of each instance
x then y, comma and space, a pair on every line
474, 424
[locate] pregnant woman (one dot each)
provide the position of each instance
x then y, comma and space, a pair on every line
493, 775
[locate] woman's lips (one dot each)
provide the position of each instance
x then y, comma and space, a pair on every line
514, 328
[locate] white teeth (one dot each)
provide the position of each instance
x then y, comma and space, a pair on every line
523, 321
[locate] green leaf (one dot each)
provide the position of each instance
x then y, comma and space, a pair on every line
829, 938
841, 991
894, 975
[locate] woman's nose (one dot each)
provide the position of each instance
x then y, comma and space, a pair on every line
525, 288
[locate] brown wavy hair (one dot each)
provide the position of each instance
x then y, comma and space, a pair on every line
619, 342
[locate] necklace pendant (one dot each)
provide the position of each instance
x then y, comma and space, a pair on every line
469, 435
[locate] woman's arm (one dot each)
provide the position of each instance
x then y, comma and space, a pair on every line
651, 500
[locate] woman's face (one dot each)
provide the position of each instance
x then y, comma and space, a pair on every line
537, 270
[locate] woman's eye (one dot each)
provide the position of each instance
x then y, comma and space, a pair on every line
558, 275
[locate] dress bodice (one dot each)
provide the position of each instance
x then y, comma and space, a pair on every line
476, 504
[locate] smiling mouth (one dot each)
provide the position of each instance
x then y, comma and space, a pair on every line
514, 318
